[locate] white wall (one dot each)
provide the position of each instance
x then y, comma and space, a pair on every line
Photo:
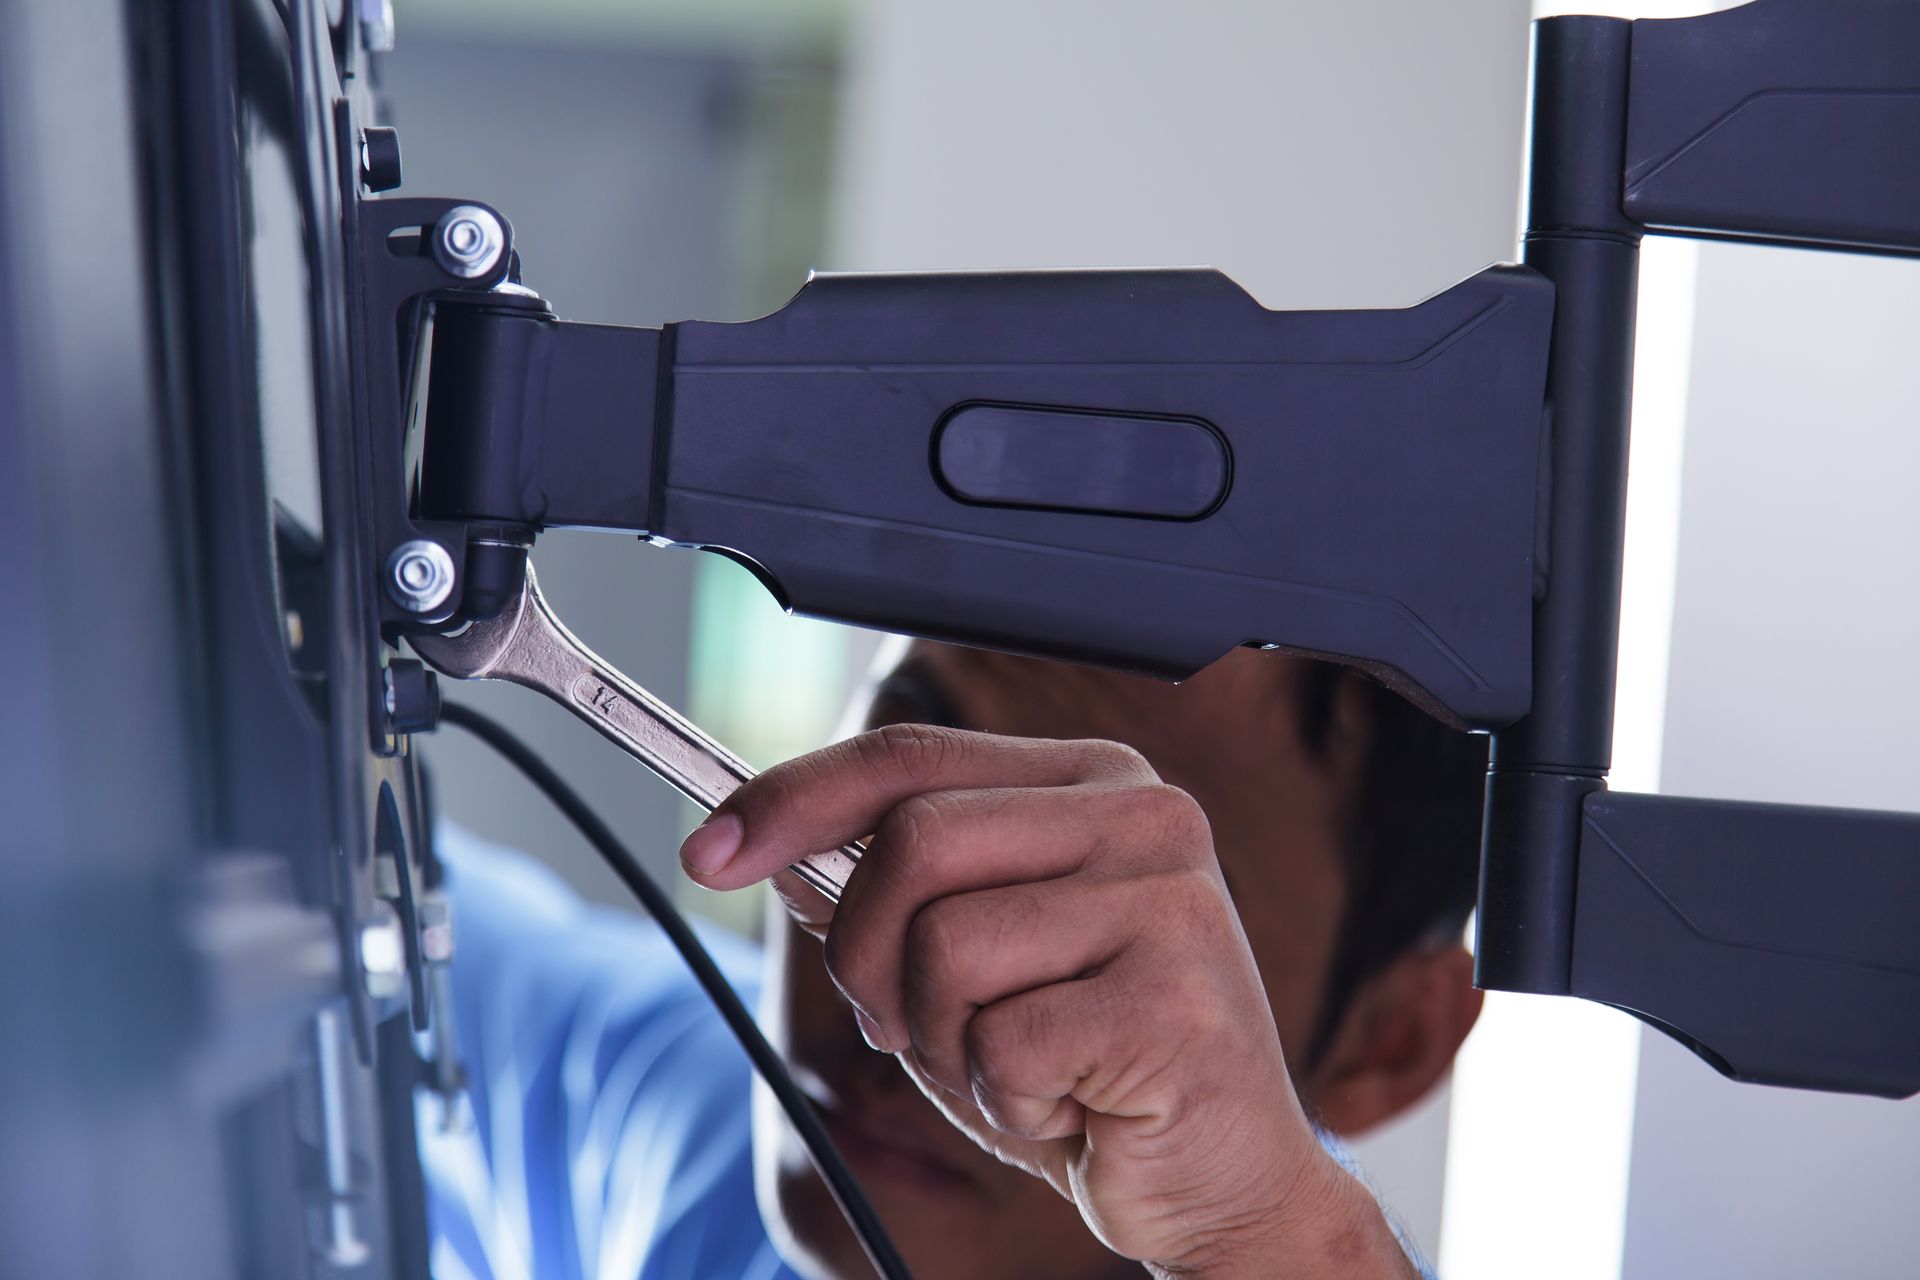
1324, 155
1796, 624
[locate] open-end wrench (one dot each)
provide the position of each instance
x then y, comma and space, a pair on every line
527, 645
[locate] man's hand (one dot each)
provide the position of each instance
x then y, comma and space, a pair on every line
1040, 932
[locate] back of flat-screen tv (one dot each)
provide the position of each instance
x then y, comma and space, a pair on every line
206, 836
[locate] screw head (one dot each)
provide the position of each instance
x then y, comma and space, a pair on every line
376, 25
468, 241
436, 927
379, 158
420, 576
383, 952
413, 697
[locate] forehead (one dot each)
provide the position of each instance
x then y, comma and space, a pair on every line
1231, 735
1246, 702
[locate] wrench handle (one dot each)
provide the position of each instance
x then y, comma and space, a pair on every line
548, 658
679, 751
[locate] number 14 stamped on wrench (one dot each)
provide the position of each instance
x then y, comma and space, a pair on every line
527, 645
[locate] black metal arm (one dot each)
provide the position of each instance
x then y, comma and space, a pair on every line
1139, 468
1146, 468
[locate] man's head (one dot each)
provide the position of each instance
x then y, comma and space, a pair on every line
1346, 825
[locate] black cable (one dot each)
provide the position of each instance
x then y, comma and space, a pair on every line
846, 1191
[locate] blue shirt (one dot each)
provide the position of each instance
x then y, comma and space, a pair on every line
605, 1133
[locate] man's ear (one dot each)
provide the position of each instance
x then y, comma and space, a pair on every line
1396, 1039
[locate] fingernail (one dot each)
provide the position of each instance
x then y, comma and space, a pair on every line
713, 843
869, 1030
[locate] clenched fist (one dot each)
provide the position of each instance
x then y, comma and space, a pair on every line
1040, 932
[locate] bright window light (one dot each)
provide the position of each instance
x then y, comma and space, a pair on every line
1541, 1132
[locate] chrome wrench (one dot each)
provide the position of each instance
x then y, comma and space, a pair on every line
527, 645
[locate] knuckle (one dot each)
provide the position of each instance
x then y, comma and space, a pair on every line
1109, 759
999, 1040
920, 753
1179, 819
1195, 906
1014, 1115
1201, 1013
1203, 899
955, 943
1160, 1000
1185, 1006
939, 944
910, 833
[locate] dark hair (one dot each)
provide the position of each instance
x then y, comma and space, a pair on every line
1411, 832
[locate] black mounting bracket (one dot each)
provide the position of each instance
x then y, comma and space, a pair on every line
398, 277
1144, 469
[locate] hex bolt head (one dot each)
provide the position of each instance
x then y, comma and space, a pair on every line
468, 241
413, 697
383, 952
420, 576
379, 158
376, 25
436, 928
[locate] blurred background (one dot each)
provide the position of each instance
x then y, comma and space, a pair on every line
678, 159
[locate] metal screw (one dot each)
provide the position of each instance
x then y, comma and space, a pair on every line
379, 158
376, 25
383, 953
436, 928
468, 241
344, 1248
412, 697
420, 575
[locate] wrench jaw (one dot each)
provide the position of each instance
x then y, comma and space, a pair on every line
475, 651
527, 644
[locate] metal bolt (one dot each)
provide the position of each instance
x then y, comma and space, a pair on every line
420, 575
379, 158
344, 1247
376, 25
413, 697
436, 928
468, 241
383, 953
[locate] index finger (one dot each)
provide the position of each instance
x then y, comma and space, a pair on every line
839, 794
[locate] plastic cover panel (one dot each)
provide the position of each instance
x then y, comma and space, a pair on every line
1382, 505
1778, 940
1788, 119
